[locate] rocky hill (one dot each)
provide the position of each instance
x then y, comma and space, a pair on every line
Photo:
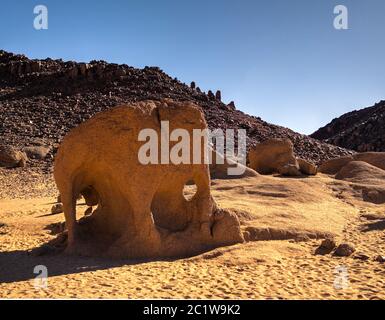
41, 100
362, 130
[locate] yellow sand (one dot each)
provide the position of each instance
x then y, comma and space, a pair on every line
254, 270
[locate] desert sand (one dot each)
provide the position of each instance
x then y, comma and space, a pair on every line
301, 211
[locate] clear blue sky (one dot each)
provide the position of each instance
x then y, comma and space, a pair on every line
278, 59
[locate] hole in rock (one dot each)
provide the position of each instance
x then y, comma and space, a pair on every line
189, 190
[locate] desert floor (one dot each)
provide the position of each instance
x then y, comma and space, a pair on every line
300, 210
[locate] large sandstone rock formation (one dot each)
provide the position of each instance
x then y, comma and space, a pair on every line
141, 208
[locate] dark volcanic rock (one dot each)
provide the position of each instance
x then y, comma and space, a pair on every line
362, 130
44, 99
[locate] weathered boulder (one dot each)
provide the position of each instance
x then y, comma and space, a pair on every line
141, 211
12, 158
275, 155
307, 167
326, 247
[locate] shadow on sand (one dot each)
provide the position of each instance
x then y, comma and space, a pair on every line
19, 265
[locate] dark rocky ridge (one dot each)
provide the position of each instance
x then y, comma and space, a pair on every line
41, 100
362, 130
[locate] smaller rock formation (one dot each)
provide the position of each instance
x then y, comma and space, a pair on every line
272, 156
367, 178
307, 167
12, 158
332, 166
218, 95
231, 105
361, 172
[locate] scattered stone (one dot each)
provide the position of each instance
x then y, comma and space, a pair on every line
57, 208
345, 250
326, 247
380, 259
361, 256
37, 152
